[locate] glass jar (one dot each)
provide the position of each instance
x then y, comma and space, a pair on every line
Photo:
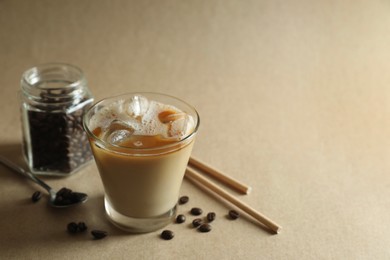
53, 99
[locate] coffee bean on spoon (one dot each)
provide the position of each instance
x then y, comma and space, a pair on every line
66, 196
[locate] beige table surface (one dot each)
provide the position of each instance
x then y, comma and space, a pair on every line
294, 99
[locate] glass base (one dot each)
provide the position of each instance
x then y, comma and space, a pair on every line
138, 225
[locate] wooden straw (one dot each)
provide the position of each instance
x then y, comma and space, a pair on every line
200, 180
235, 184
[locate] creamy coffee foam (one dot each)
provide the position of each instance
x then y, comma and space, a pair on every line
140, 116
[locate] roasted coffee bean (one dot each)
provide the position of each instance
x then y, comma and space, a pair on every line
65, 192
234, 214
36, 196
99, 234
167, 234
197, 222
82, 226
183, 200
180, 218
205, 228
73, 228
77, 197
66, 196
196, 211
211, 216
54, 138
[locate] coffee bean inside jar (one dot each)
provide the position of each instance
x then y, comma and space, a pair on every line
54, 98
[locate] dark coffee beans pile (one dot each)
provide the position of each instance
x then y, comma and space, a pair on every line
58, 141
197, 222
66, 196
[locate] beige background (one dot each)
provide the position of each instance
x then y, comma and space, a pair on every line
293, 97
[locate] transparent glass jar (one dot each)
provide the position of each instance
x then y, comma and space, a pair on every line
53, 100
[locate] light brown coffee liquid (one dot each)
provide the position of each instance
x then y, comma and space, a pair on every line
140, 182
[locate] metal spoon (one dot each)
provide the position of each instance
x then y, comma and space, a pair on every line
61, 199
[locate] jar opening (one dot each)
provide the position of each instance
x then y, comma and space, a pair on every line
54, 83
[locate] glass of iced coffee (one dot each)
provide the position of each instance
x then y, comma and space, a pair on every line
141, 143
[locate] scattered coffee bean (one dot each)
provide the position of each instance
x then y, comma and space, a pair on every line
82, 227
167, 234
234, 214
196, 211
99, 234
197, 222
73, 228
211, 216
205, 228
56, 139
36, 196
183, 200
180, 218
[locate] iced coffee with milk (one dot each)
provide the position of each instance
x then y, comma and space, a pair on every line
141, 144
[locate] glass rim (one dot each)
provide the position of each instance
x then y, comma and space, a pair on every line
132, 151
38, 69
